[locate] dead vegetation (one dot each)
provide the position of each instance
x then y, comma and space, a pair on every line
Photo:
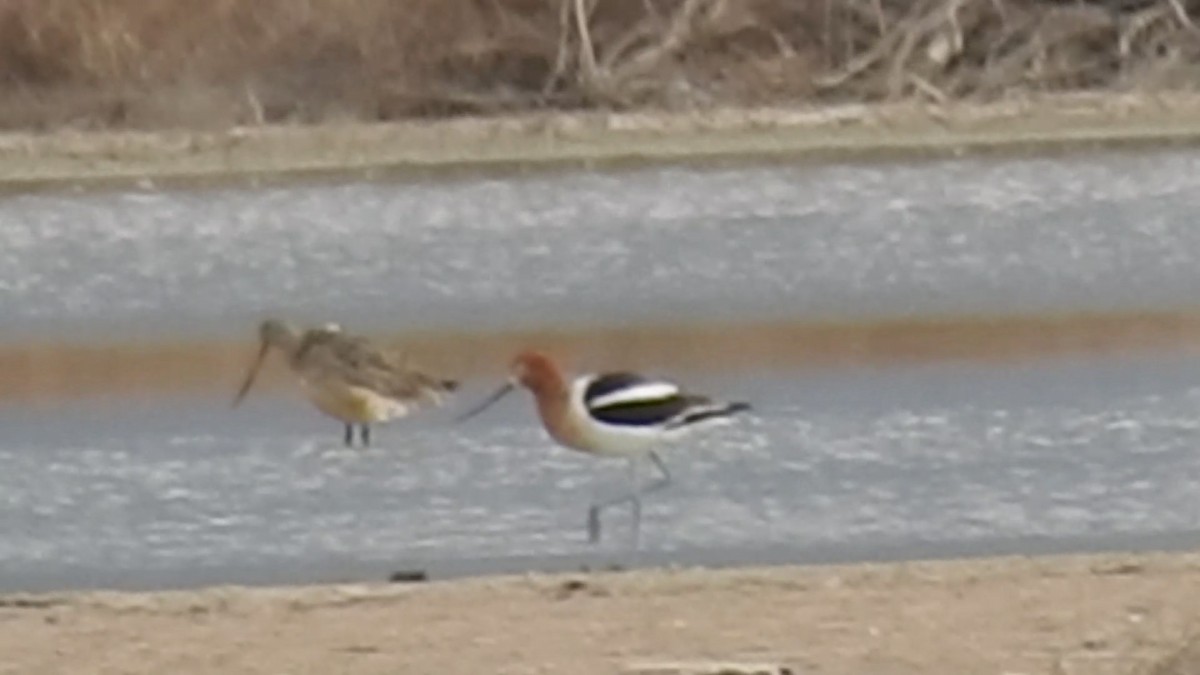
217, 63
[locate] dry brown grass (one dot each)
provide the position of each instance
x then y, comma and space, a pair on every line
216, 63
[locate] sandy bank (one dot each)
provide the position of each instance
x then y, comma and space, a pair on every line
1093, 615
272, 153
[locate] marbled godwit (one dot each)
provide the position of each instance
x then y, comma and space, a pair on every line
347, 377
611, 414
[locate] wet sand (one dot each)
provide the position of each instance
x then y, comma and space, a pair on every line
1086, 615
44, 373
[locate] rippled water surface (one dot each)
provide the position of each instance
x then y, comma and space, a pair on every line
837, 462
1094, 232
183, 491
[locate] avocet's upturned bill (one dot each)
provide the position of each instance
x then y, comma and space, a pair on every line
347, 377
611, 414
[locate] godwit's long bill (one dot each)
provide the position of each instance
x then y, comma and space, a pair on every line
347, 377
616, 414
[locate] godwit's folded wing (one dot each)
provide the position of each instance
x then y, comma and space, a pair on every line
367, 365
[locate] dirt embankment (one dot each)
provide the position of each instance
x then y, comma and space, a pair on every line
130, 64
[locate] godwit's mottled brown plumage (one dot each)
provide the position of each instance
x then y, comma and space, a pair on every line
347, 377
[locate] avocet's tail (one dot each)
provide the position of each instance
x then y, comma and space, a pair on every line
706, 411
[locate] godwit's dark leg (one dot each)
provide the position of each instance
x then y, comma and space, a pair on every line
349, 437
365, 435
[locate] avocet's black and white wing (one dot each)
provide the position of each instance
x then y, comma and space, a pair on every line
633, 401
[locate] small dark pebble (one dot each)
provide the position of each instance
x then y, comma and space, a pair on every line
1121, 568
360, 649
408, 576
20, 602
570, 587
781, 670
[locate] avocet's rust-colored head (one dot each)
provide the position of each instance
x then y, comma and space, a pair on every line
530, 369
535, 371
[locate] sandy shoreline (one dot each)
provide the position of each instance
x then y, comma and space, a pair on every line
554, 139
1093, 615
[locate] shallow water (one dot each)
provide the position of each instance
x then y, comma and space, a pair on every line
895, 463
975, 236
835, 464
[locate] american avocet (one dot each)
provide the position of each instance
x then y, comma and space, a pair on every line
347, 377
616, 414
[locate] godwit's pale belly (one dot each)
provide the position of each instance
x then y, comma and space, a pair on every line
353, 404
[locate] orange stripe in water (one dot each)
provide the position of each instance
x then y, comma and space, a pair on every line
46, 372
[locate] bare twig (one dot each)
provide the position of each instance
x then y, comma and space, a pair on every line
256, 106
1182, 15
912, 35
1001, 11
877, 5
561, 55
1137, 24
678, 34
587, 52
926, 87
827, 30
782, 44
620, 49
867, 60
